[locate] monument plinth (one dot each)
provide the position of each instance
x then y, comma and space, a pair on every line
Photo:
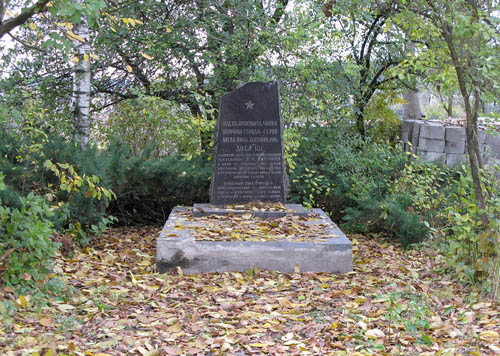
248, 222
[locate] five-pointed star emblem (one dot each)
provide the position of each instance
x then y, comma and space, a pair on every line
249, 105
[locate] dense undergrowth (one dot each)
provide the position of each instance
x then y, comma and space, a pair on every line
50, 185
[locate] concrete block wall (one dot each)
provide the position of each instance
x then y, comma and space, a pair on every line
433, 141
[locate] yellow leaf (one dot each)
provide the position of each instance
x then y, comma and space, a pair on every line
86, 57
94, 56
23, 301
177, 327
489, 334
75, 59
146, 56
47, 322
75, 36
49, 353
32, 26
258, 345
129, 69
68, 25
169, 29
153, 353
132, 277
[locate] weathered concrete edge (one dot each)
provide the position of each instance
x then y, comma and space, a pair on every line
208, 209
333, 255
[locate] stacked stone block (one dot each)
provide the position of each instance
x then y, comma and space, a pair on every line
432, 141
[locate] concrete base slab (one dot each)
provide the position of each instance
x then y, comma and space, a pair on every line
481, 137
457, 147
179, 247
455, 133
431, 145
454, 159
205, 209
431, 156
433, 130
494, 150
492, 139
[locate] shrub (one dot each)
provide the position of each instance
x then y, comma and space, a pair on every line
148, 188
472, 249
74, 203
162, 125
351, 179
26, 245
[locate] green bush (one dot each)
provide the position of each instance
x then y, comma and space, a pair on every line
164, 126
471, 249
26, 244
351, 179
32, 175
148, 188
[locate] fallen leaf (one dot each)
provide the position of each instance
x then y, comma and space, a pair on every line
375, 333
489, 335
23, 301
176, 327
48, 322
65, 307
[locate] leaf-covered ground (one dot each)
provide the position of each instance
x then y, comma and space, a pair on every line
393, 303
247, 227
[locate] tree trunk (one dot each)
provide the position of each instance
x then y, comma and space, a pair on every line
359, 117
449, 108
81, 83
412, 108
471, 132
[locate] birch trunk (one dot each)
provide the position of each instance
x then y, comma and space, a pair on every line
81, 83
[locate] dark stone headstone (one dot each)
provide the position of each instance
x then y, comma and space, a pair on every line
248, 164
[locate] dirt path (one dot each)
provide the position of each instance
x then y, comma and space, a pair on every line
394, 303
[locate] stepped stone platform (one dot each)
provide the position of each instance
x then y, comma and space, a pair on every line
177, 245
248, 223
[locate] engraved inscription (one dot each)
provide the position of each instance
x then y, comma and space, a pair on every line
249, 153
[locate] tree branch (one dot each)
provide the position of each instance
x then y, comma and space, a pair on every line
27, 45
280, 9
23, 17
